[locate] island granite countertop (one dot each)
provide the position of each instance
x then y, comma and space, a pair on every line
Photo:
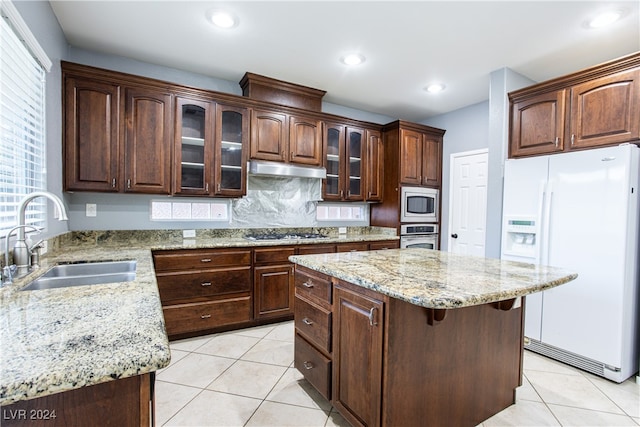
436, 279
62, 339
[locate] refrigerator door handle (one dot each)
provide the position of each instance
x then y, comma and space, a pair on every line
546, 223
542, 197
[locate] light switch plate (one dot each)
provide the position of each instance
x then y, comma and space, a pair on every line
91, 209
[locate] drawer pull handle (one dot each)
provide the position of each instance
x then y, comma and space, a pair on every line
205, 260
307, 365
306, 321
205, 284
205, 316
308, 284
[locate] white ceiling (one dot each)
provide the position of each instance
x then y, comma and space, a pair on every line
407, 45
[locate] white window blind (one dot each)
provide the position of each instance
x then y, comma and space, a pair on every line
22, 122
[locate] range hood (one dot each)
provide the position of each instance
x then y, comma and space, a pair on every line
259, 167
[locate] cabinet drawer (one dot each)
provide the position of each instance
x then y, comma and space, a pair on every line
184, 285
272, 255
353, 247
316, 249
388, 244
315, 367
183, 318
193, 258
314, 323
314, 286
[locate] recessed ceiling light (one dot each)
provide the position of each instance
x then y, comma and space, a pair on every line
435, 88
222, 19
605, 19
353, 59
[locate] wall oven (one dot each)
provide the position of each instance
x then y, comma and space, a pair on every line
419, 236
419, 204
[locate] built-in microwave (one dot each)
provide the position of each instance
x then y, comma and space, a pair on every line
419, 204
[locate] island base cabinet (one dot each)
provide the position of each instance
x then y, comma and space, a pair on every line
127, 402
399, 364
457, 371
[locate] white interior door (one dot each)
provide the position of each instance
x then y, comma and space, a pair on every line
468, 202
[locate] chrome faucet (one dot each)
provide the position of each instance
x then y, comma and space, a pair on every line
21, 252
9, 271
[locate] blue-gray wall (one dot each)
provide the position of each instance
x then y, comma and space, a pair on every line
466, 129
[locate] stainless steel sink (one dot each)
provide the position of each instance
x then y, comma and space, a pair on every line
88, 273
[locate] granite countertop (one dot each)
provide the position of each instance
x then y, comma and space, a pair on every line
62, 339
437, 279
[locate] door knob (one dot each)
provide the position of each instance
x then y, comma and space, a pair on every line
454, 235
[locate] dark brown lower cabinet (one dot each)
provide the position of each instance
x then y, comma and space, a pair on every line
397, 364
357, 357
127, 402
273, 290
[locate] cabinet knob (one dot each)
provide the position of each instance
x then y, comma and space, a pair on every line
308, 284
307, 365
557, 141
573, 138
306, 321
205, 316
205, 284
128, 183
206, 187
454, 235
205, 260
113, 183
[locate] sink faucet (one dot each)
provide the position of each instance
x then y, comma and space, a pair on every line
21, 252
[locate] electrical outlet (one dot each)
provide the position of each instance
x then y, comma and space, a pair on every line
342, 230
91, 209
188, 234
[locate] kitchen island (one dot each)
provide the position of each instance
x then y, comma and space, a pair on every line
414, 337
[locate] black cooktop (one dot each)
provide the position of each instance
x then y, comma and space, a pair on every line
285, 236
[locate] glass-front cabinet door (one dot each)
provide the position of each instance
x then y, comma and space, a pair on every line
232, 135
193, 146
354, 163
333, 184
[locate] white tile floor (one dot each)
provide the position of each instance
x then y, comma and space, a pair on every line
246, 378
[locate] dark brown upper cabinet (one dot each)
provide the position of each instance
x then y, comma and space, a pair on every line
595, 107
281, 137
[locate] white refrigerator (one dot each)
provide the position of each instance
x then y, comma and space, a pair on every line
579, 211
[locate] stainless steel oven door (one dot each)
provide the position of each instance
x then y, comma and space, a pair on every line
427, 241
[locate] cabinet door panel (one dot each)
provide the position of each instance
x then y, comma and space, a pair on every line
606, 110
305, 141
91, 135
193, 147
333, 184
268, 136
273, 291
537, 125
410, 157
357, 356
354, 162
231, 146
375, 164
431, 168
148, 141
